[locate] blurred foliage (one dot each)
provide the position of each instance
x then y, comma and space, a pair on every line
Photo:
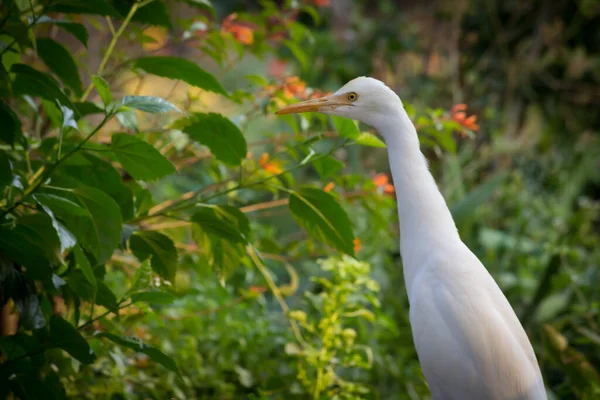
163, 235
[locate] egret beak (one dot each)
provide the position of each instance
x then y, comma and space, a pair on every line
328, 103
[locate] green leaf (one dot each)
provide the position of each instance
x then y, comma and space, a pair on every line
140, 159
160, 247
345, 127
106, 298
180, 69
154, 296
143, 277
140, 347
149, 104
202, 4
76, 29
154, 13
328, 166
10, 123
29, 81
444, 139
298, 53
464, 208
88, 108
98, 7
68, 118
225, 222
85, 267
6, 175
127, 117
33, 388
368, 139
66, 238
320, 214
59, 60
103, 90
33, 242
65, 336
220, 135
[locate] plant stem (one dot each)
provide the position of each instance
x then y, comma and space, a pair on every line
113, 43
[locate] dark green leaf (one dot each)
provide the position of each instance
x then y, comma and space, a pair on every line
153, 244
345, 127
106, 298
328, 166
225, 222
32, 243
320, 214
180, 69
82, 287
65, 336
84, 265
154, 13
149, 104
464, 208
98, 7
31, 315
220, 135
10, 123
59, 60
32, 82
103, 90
87, 108
6, 175
33, 388
66, 238
137, 345
76, 29
140, 159
154, 296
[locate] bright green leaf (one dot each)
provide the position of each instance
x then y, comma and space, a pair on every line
103, 90
328, 166
143, 277
180, 69
160, 247
220, 135
320, 214
154, 297
140, 159
345, 127
225, 222
368, 139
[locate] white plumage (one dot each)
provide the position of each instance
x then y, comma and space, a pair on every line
470, 343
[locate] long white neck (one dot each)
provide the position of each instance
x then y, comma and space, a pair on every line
425, 220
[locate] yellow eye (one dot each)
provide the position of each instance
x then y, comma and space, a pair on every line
352, 96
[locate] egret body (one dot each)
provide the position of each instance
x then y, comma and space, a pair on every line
470, 343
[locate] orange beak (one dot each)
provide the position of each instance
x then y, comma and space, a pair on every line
316, 105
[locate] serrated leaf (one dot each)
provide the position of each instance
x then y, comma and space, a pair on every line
160, 247
140, 347
59, 60
29, 81
65, 336
345, 127
180, 69
220, 135
154, 297
10, 123
103, 90
140, 159
143, 277
225, 222
149, 104
324, 219
368, 139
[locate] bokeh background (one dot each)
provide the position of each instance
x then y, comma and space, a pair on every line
506, 97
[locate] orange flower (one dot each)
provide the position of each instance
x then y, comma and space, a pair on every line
273, 167
382, 182
242, 32
257, 289
357, 245
321, 3
329, 187
458, 114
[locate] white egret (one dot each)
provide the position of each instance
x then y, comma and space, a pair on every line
470, 343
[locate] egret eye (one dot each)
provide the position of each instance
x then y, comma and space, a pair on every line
352, 96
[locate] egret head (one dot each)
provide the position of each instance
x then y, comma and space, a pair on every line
365, 99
